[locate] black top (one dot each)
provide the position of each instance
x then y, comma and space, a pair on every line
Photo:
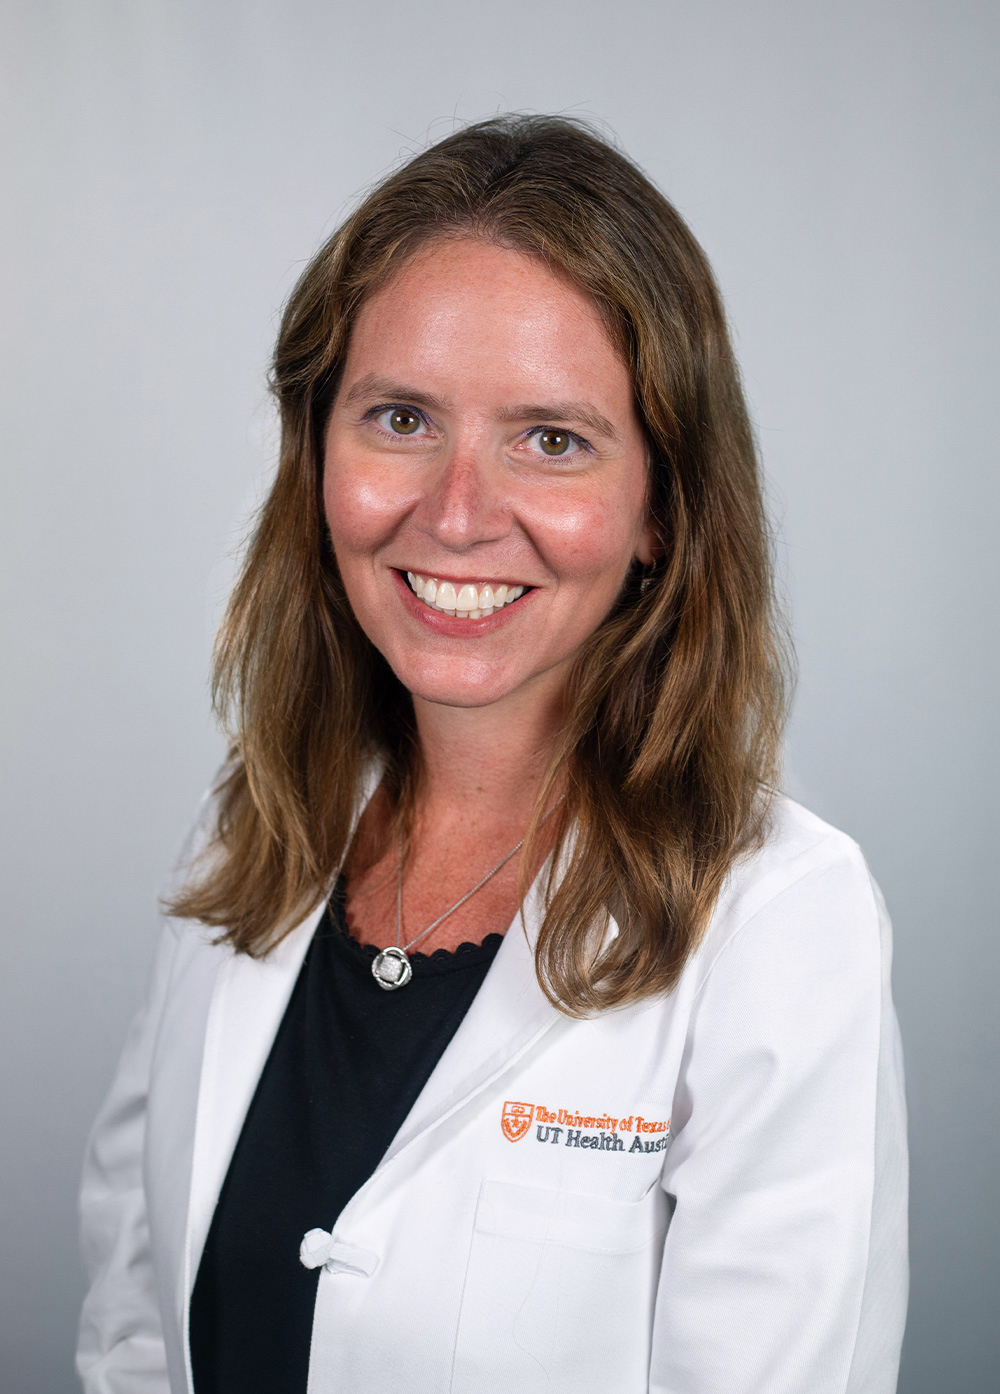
347, 1063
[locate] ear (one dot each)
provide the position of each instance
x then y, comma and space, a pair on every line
648, 547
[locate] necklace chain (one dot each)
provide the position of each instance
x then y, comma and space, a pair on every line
458, 903
391, 968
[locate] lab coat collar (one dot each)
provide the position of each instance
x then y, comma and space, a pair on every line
507, 1016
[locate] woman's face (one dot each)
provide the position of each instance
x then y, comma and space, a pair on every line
485, 474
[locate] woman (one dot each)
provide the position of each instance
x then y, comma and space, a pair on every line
533, 1042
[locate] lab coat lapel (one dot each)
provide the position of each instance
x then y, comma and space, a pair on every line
246, 1009
249, 1001
223, 1012
508, 1015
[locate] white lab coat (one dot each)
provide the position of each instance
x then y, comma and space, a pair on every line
704, 1193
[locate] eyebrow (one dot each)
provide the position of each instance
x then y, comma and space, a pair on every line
371, 385
551, 412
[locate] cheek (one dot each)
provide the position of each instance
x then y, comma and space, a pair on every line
590, 538
360, 511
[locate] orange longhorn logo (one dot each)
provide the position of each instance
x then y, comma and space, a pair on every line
516, 1120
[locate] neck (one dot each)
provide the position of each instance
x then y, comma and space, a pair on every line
485, 764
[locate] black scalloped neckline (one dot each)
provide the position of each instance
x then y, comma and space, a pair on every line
465, 955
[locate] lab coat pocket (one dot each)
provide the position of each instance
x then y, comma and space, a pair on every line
559, 1292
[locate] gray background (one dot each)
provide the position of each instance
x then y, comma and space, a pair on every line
167, 169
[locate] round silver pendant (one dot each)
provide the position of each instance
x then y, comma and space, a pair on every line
391, 969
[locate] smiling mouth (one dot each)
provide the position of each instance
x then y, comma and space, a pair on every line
467, 601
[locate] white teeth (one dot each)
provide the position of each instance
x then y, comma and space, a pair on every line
468, 600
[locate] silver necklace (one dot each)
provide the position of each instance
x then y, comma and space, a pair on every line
391, 967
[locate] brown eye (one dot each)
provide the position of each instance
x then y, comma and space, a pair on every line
403, 421
554, 442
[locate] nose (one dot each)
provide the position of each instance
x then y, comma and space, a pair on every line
464, 503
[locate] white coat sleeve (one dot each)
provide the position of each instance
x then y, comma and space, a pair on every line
785, 1266
120, 1348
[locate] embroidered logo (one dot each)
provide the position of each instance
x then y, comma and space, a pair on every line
515, 1120
568, 1128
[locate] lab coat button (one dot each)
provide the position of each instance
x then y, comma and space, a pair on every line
319, 1249
315, 1248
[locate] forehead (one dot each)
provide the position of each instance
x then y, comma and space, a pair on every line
473, 312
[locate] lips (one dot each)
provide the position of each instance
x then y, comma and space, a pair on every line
465, 600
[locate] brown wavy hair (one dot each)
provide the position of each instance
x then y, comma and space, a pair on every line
675, 706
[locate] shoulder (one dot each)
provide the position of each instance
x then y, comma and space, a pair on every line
796, 843
799, 850
805, 895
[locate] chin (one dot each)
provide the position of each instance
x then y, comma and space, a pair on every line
479, 688
451, 694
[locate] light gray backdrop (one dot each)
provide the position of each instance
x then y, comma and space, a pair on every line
167, 169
